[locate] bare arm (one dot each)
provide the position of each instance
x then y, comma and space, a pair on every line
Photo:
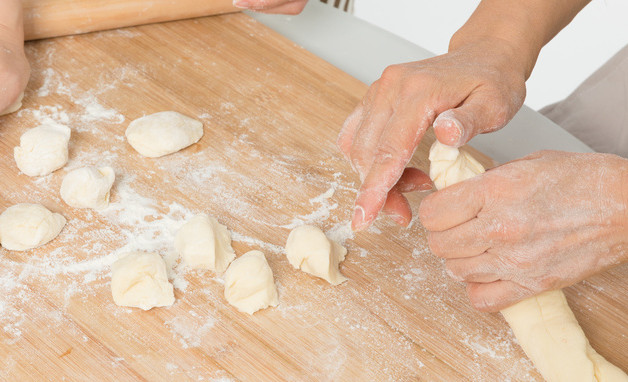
524, 25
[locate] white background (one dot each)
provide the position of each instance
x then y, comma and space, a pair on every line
597, 33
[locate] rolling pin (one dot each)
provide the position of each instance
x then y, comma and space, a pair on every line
52, 18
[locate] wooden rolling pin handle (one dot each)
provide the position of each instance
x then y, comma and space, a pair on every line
52, 18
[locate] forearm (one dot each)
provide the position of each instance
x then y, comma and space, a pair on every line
525, 26
11, 22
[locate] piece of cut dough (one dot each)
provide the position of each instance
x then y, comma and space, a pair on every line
42, 149
24, 226
544, 325
15, 106
309, 250
140, 280
204, 243
449, 165
88, 187
249, 283
163, 133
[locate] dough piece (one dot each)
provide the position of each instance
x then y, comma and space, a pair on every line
15, 106
544, 325
249, 283
550, 335
140, 280
42, 149
88, 187
204, 243
163, 133
309, 250
449, 165
25, 226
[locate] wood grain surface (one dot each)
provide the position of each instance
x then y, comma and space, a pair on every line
53, 18
267, 162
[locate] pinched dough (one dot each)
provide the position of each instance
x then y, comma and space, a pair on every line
449, 165
25, 226
163, 133
249, 283
88, 187
311, 251
42, 149
140, 280
202, 242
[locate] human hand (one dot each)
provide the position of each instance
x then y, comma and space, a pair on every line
286, 7
539, 223
14, 71
471, 90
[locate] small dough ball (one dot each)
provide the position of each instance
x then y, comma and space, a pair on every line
15, 106
449, 165
163, 133
309, 250
88, 187
140, 280
25, 226
249, 283
204, 243
42, 149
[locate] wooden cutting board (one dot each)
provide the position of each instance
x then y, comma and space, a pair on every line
267, 162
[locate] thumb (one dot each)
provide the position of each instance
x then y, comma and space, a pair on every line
476, 115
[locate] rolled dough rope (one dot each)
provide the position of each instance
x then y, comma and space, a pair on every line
544, 325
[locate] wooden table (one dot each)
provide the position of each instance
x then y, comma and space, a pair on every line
267, 162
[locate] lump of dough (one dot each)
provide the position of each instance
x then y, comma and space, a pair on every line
15, 106
550, 335
163, 133
25, 226
449, 165
42, 149
249, 283
309, 250
202, 242
140, 280
88, 187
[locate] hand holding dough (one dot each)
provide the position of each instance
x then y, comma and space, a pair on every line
42, 149
88, 187
163, 133
140, 280
544, 325
202, 242
25, 226
309, 250
249, 283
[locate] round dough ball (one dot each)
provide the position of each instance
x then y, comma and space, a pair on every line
309, 250
42, 149
15, 106
449, 165
25, 226
163, 133
140, 280
88, 187
249, 283
204, 243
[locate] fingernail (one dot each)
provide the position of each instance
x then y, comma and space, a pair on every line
450, 129
358, 222
241, 4
402, 221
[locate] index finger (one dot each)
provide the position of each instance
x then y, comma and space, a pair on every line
402, 135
